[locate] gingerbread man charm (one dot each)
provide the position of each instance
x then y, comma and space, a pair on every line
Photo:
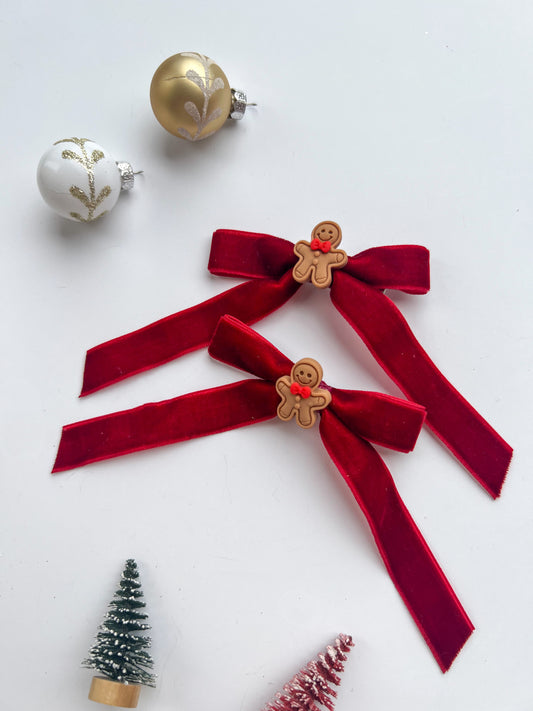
300, 395
318, 257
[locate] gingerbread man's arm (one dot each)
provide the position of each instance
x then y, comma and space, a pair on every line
342, 257
319, 401
286, 407
304, 267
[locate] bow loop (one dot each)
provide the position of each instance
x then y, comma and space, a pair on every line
238, 345
401, 267
250, 255
382, 419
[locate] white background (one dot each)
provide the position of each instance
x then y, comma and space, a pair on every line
404, 122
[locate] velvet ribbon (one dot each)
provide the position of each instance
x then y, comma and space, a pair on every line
357, 292
350, 423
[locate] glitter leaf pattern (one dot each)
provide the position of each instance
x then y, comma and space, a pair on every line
91, 201
208, 87
311, 689
192, 110
195, 78
80, 195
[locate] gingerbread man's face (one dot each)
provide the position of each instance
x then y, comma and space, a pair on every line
328, 232
307, 372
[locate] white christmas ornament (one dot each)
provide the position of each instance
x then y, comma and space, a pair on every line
80, 180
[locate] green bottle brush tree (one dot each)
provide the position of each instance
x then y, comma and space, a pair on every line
119, 652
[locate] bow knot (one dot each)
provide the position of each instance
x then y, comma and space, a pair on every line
322, 246
303, 390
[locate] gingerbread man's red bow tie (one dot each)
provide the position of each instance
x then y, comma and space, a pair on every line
322, 246
275, 269
349, 421
302, 390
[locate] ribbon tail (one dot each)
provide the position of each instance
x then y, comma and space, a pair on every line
459, 426
182, 418
412, 567
182, 332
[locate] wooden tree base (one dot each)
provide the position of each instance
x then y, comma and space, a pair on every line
114, 693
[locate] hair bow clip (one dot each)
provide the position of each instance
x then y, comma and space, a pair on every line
350, 421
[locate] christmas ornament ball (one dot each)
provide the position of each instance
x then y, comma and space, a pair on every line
79, 179
190, 96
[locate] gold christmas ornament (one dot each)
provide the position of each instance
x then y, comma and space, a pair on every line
114, 693
191, 96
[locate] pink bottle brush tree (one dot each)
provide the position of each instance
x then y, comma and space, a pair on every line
311, 689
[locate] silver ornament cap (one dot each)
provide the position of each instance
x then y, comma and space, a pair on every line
238, 104
127, 176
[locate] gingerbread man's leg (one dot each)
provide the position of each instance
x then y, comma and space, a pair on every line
323, 268
306, 413
287, 409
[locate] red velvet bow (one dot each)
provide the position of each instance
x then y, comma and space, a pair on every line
302, 390
357, 292
322, 246
347, 426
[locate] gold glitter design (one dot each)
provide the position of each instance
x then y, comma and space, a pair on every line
208, 87
91, 201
